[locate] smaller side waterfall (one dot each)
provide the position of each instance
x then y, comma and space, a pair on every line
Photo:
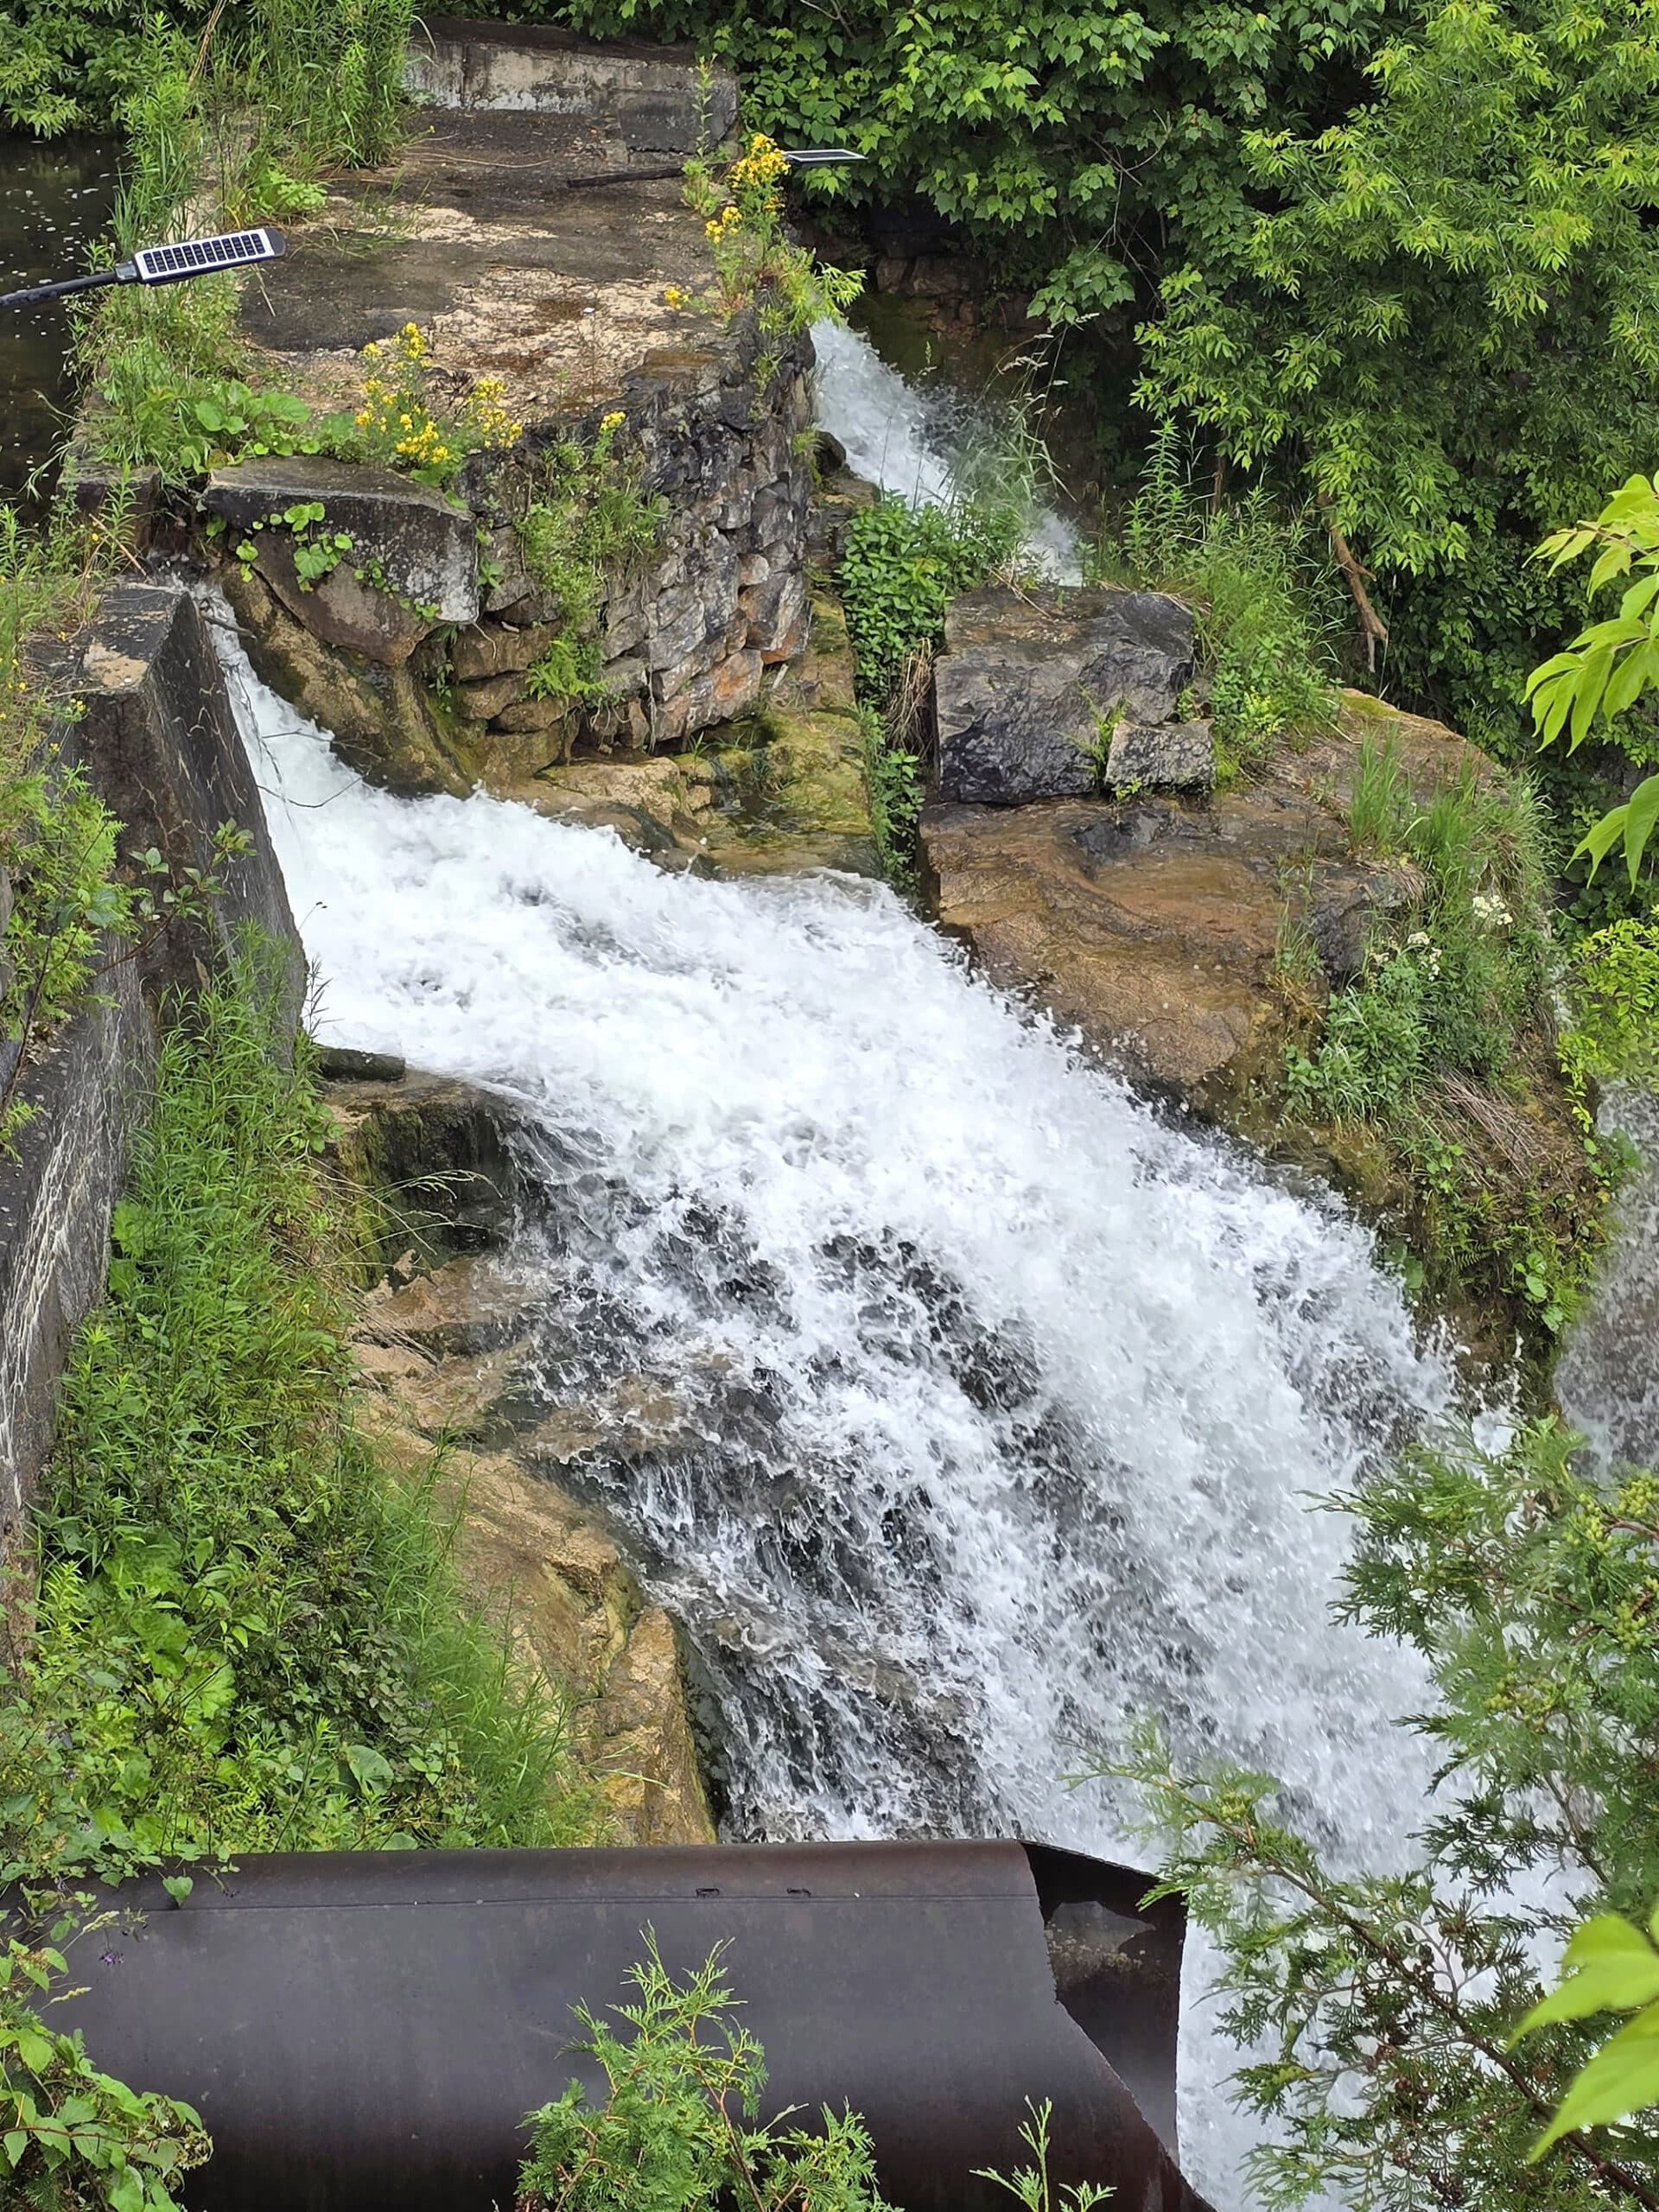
911, 443
1608, 1378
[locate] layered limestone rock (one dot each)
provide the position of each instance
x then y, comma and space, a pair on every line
419, 648
783, 791
448, 1343
1155, 924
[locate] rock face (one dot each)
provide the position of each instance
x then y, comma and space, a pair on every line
159, 745
1161, 756
448, 1343
786, 791
1155, 925
1030, 684
412, 561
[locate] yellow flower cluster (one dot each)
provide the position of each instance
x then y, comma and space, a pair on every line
677, 296
727, 220
486, 418
613, 421
760, 167
378, 399
421, 443
410, 345
388, 413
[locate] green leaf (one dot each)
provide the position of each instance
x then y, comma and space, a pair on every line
1641, 813
1622, 2078
372, 1771
127, 2191
1613, 1968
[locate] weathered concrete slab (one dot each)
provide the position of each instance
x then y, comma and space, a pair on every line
160, 748
55, 1197
650, 98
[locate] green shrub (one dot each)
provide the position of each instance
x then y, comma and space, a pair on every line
1613, 988
75, 2139
1263, 596
1384, 2003
903, 564
585, 528
679, 2129
893, 779
1456, 985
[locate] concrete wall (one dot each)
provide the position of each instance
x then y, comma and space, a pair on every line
650, 97
160, 747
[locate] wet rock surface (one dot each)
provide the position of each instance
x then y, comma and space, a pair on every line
1031, 683
781, 791
449, 1343
1153, 924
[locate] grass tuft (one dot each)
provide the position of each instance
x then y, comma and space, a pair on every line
252, 1633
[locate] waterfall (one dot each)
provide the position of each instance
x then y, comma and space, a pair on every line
911, 441
960, 1408
1608, 1375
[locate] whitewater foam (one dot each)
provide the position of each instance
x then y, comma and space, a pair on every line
994, 1401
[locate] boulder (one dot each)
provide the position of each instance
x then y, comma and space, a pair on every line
1162, 756
1155, 926
413, 560
1029, 682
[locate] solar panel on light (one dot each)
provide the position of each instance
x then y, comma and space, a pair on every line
165, 264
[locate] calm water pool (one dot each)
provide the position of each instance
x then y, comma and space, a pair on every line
53, 200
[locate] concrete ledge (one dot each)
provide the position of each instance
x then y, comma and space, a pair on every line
160, 747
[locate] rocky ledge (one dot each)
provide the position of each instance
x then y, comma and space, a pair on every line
534, 231
1153, 924
446, 1347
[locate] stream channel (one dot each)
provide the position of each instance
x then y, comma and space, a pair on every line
54, 201
987, 1404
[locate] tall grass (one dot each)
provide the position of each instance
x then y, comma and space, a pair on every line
327, 74
253, 1631
1261, 588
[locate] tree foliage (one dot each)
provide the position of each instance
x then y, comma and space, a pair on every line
1379, 2009
1444, 316
1609, 667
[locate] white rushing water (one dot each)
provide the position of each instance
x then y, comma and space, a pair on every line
908, 441
1607, 1378
981, 1408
